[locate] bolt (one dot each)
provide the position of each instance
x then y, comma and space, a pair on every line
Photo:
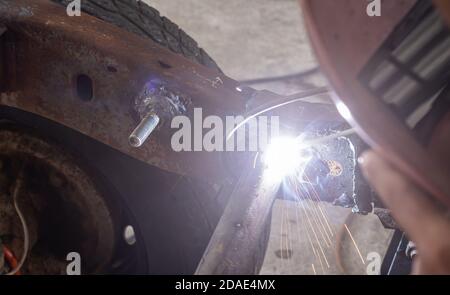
143, 130
129, 235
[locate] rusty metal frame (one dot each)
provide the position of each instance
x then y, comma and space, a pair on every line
44, 50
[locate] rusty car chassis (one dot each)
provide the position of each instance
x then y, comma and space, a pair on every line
90, 78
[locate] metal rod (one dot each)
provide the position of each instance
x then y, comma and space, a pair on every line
143, 130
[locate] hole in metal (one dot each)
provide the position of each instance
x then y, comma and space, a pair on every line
85, 89
164, 65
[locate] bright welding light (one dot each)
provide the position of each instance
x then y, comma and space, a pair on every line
343, 110
284, 157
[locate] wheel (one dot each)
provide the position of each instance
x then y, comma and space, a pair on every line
137, 17
63, 210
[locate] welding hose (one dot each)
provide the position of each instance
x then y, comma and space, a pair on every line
290, 100
287, 100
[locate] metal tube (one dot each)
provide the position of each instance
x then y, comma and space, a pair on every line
143, 130
235, 247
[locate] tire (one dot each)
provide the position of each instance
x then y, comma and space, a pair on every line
137, 17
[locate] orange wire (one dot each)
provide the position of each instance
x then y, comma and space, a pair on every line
11, 259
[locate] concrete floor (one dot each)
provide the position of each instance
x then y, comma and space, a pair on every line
318, 238
248, 39
265, 38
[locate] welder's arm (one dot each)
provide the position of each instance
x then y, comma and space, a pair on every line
423, 222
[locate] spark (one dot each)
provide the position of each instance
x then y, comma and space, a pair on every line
324, 215
354, 243
315, 234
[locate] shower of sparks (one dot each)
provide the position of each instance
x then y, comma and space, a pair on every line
312, 227
315, 220
312, 207
322, 210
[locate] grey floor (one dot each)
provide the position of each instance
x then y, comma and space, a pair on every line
318, 238
249, 39
265, 38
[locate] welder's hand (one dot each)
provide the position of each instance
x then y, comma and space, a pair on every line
423, 222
